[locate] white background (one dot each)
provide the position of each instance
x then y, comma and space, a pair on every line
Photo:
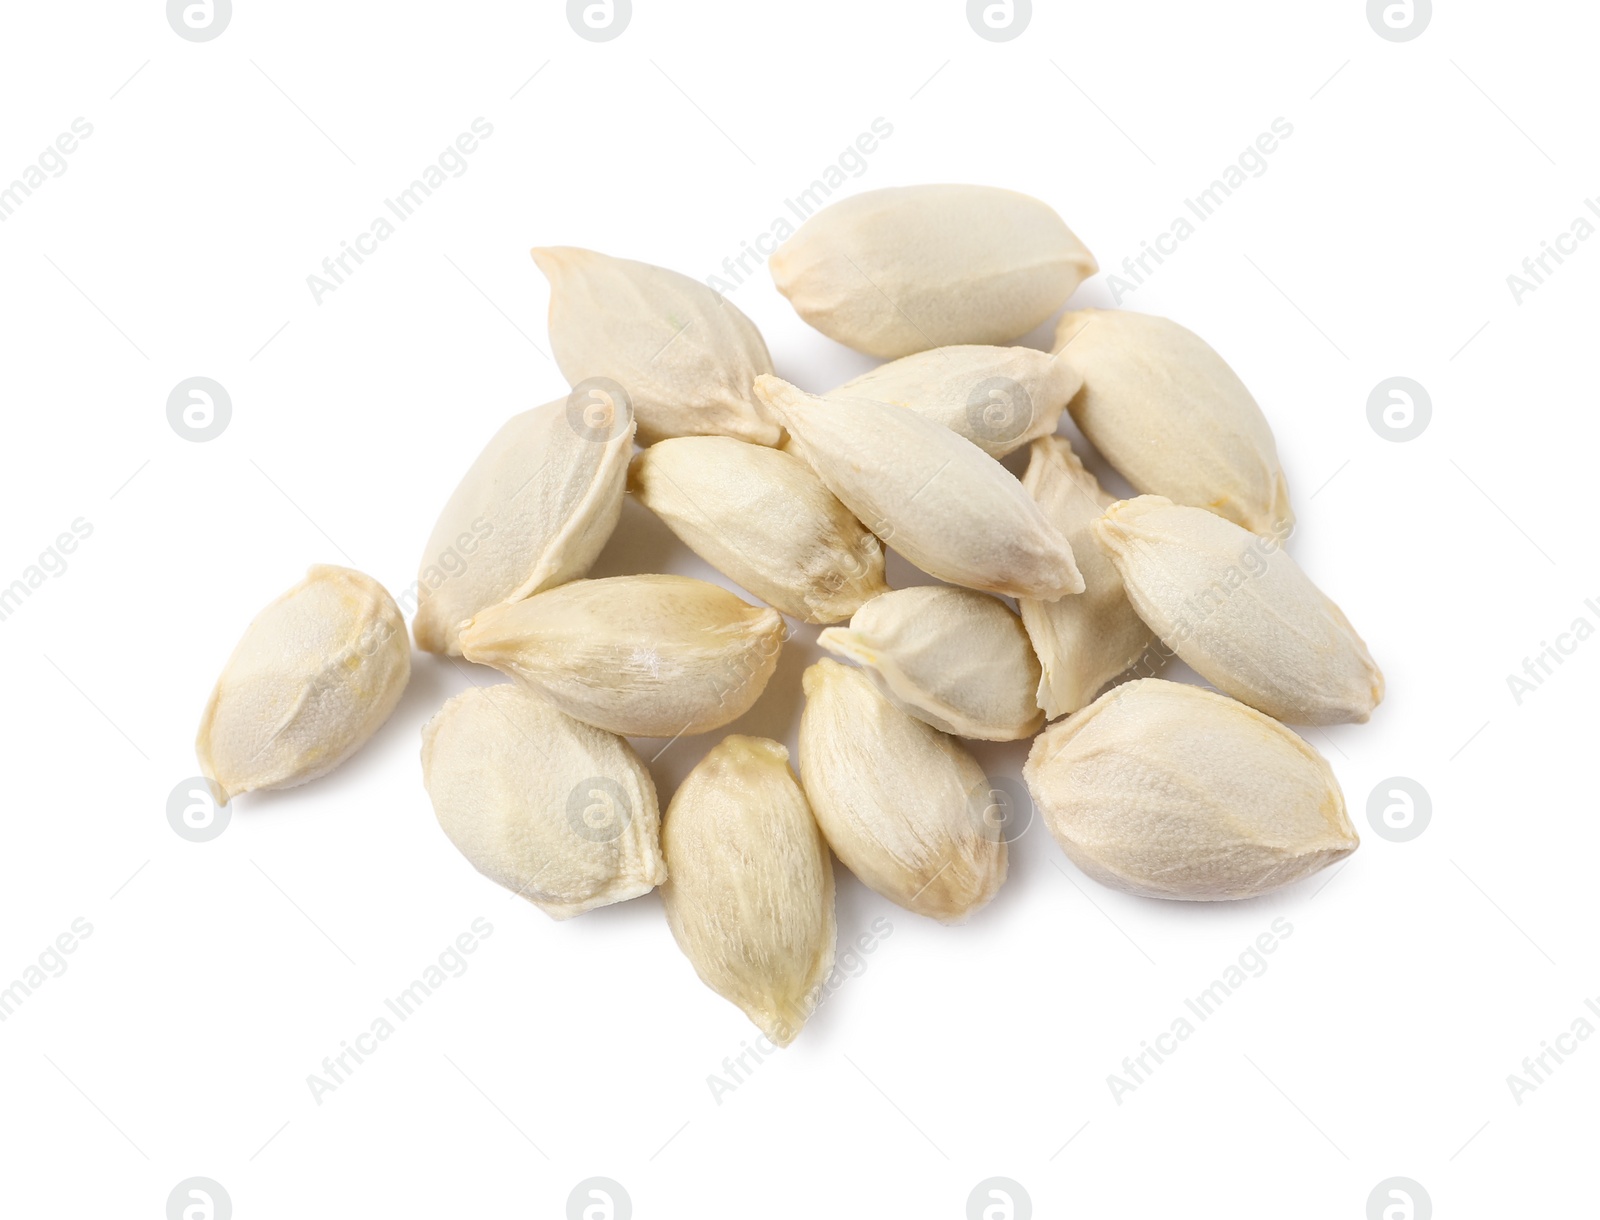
177, 243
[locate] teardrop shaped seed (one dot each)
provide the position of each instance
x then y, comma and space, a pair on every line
1241, 612
900, 270
1173, 418
532, 512
1172, 791
315, 675
750, 898
684, 354
558, 812
935, 497
644, 656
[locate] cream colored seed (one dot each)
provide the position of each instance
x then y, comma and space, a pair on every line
684, 354
645, 656
933, 496
1082, 642
315, 675
955, 659
762, 518
1173, 418
900, 270
902, 804
1172, 791
533, 511
1240, 611
558, 812
750, 899
999, 398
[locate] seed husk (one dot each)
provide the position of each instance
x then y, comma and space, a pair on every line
999, 398
953, 658
901, 803
904, 269
933, 496
1239, 610
313, 678
1082, 642
558, 812
644, 656
750, 899
684, 353
1167, 411
1173, 791
533, 511
762, 518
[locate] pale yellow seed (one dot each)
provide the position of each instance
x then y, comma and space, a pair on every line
1082, 642
902, 804
558, 812
955, 659
1167, 411
1239, 610
645, 656
314, 677
750, 899
762, 518
1172, 791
